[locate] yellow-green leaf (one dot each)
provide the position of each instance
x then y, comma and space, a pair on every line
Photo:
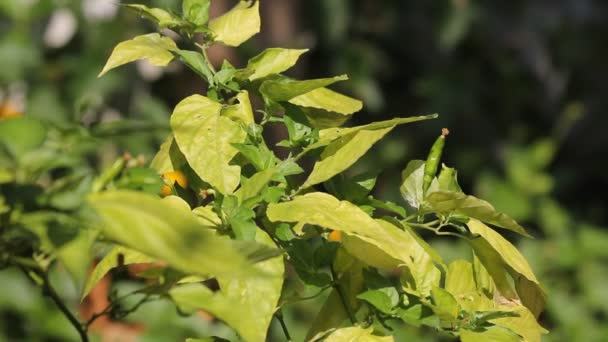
285, 89
473, 207
509, 253
327, 211
169, 232
254, 185
330, 134
205, 138
329, 100
168, 158
153, 47
356, 334
237, 25
272, 61
157, 15
117, 256
494, 334
342, 153
240, 112
525, 324
246, 304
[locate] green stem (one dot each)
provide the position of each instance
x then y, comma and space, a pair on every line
108, 175
50, 291
343, 298
279, 316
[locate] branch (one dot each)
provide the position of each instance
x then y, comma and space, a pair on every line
345, 303
50, 291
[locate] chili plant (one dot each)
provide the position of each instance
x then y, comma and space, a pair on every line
234, 216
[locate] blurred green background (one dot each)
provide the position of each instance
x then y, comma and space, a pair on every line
520, 85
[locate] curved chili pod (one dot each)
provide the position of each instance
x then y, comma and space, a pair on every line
432, 161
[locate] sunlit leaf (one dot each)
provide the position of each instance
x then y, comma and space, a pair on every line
152, 47
196, 11
205, 138
237, 25
448, 179
444, 304
524, 324
272, 61
247, 305
240, 112
329, 100
356, 334
387, 245
505, 249
197, 63
254, 185
494, 334
342, 153
330, 134
284, 89
117, 256
475, 208
167, 231
158, 16
168, 158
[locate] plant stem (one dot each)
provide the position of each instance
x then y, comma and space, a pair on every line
50, 291
338, 289
279, 316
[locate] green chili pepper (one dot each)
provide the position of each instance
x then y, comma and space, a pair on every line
432, 161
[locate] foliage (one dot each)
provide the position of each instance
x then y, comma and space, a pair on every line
222, 240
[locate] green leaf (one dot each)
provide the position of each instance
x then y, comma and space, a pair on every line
254, 185
153, 47
456, 202
76, 255
356, 334
205, 138
342, 153
509, 254
384, 245
261, 157
196, 61
353, 189
382, 299
494, 334
284, 89
448, 179
418, 315
531, 294
196, 11
167, 230
241, 112
386, 205
21, 135
272, 61
329, 100
247, 305
207, 216
411, 186
523, 324
157, 15
332, 313
117, 256
330, 134
444, 304
168, 158
237, 25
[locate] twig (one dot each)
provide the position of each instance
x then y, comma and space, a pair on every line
338, 289
50, 291
279, 316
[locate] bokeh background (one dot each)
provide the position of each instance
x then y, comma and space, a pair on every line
520, 84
